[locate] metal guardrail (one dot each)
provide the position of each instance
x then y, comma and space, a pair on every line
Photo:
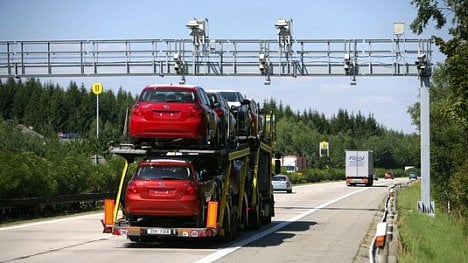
61, 199
385, 242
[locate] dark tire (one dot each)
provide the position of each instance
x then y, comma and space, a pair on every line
225, 138
234, 223
217, 139
254, 218
230, 227
205, 139
141, 239
134, 239
289, 191
267, 219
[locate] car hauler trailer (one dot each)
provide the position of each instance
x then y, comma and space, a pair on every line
245, 199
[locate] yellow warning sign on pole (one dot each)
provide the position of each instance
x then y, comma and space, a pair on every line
97, 88
324, 149
324, 145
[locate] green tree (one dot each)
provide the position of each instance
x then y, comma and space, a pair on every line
25, 174
7, 93
449, 99
455, 48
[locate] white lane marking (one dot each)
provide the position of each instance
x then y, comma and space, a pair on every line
221, 253
47, 222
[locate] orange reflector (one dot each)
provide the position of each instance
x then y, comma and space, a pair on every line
212, 219
380, 241
380, 233
108, 212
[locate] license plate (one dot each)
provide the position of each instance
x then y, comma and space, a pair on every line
158, 231
166, 114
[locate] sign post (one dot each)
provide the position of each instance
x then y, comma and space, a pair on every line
97, 89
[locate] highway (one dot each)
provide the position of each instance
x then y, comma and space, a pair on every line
324, 222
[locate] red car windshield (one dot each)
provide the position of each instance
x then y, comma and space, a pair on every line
163, 172
158, 95
231, 96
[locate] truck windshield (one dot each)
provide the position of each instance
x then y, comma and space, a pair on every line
166, 172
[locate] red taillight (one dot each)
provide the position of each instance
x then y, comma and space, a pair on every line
137, 110
196, 112
219, 112
192, 189
254, 118
131, 187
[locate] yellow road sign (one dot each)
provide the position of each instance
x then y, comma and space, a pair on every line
97, 88
324, 145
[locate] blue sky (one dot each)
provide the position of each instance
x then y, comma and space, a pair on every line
387, 98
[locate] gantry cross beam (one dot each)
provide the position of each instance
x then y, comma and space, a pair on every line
214, 57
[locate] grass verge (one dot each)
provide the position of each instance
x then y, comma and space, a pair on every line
425, 238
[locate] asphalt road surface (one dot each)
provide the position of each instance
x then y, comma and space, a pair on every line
323, 222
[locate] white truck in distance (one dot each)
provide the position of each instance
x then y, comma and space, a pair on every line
294, 163
359, 167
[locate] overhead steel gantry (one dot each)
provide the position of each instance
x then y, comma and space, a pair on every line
203, 56
214, 57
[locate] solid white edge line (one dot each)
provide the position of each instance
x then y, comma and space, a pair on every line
221, 253
47, 222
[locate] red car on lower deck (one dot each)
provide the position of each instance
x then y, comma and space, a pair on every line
170, 186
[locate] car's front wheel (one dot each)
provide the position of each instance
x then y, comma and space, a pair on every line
205, 138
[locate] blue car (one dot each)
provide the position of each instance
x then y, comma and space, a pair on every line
413, 176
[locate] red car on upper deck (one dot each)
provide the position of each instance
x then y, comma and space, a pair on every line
173, 113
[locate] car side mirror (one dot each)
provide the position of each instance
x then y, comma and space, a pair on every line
204, 175
216, 105
234, 108
245, 102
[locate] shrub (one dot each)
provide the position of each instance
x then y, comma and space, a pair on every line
26, 175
